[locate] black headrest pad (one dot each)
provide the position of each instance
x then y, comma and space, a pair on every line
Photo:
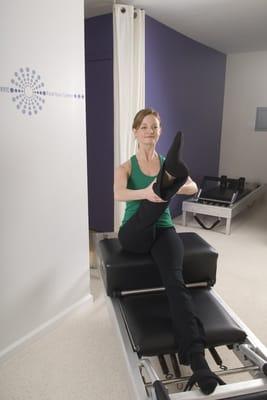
122, 270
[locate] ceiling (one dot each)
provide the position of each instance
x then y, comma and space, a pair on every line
230, 26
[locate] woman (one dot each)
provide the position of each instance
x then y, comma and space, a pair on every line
147, 182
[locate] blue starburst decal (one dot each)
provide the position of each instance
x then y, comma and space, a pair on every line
28, 92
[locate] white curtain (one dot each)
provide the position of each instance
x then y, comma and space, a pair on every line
129, 83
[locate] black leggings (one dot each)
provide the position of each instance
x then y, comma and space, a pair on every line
140, 235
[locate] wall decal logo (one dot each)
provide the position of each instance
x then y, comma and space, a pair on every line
28, 91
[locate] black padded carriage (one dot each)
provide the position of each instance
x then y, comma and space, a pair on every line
146, 314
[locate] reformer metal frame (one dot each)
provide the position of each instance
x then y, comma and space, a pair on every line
252, 354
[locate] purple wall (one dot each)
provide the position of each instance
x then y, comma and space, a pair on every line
185, 83
99, 116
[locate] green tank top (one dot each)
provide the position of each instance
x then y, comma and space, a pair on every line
138, 180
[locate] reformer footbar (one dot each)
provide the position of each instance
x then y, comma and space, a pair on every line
139, 307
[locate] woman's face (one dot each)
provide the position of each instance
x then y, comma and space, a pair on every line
149, 131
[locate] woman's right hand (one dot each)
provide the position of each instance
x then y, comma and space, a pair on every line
151, 195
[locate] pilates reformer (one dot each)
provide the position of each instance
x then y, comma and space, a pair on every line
139, 308
221, 197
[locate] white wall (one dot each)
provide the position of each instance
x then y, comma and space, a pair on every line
44, 260
244, 151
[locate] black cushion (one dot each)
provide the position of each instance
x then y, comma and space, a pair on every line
148, 318
122, 270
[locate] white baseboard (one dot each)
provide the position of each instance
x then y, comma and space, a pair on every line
6, 352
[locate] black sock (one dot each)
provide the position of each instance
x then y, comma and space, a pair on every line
173, 162
206, 383
165, 187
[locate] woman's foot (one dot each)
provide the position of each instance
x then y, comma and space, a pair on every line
206, 380
203, 376
173, 163
173, 173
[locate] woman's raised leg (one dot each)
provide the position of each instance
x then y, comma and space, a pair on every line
138, 233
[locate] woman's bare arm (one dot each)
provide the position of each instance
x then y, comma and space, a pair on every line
121, 193
189, 188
